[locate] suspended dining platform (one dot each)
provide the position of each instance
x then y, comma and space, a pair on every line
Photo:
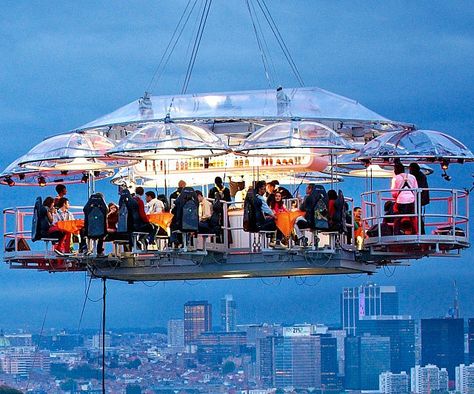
442, 231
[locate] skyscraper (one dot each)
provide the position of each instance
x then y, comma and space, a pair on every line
367, 300
228, 312
442, 343
400, 330
265, 351
470, 338
197, 319
366, 358
297, 359
330, 379
176, 333
427, 379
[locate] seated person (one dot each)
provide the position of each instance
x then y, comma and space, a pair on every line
313, 194
164, 200
332, 198
61, 214
45, 219
205, 214
277, 204
265, 216
153, 205
112, 234
140, 221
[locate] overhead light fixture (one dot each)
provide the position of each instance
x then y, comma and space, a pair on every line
10, 182
21, 176
41, 181
444, 164
64, 172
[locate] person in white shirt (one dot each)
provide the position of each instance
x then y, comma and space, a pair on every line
62, 213
205, 213
403, 189
153, 205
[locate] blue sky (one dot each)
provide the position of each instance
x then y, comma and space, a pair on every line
67, 63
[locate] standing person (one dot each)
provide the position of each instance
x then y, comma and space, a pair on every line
177, 192
402, 191
358, 228
153, 205
415, 170
62, 191
220, 190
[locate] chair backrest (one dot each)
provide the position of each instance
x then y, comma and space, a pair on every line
250, 212
95, 216
36, 222
124, 223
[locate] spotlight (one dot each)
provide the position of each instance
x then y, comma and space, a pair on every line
21, 176
96, 173
10, 182
64, 172
444, 165
85, 178
41, 181
366, 163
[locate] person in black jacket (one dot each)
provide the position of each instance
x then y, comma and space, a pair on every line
220, 190
177, 192
422, 181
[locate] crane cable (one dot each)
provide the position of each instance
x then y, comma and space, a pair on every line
279, 38
167, 53
197, 43
260, 47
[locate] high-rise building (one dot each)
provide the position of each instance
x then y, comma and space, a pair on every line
213, 347
340, 336
228, 312
176, 333
366, 358
97, 341
470, 339
330, 378
366, 300
442, 343
465, 379
197, 319
400, 330
265, 351
393, 383
297, 359
427, 379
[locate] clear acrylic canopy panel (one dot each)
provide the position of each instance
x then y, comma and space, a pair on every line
318, 178
420, 145
21, 176
161, 140
306, 103
300, 135
79, 151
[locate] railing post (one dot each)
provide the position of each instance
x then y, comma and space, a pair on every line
378, 216
226, 225
418, 211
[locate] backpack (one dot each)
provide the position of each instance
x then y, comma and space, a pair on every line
35, 223
250, 216
122, 224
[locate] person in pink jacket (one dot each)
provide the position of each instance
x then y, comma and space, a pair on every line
403, 189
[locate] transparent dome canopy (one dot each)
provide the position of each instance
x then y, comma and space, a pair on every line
21, 176
161, 140
421, 145
311, 137
76, 151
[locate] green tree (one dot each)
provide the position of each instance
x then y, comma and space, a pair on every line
228, 367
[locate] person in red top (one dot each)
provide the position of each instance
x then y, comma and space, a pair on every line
277, 204
142, 223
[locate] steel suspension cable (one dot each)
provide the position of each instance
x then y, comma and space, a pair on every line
265, 46
170, 42
260, 47
279, 38
197, 43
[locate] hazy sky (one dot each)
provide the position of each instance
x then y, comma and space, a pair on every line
67, 63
